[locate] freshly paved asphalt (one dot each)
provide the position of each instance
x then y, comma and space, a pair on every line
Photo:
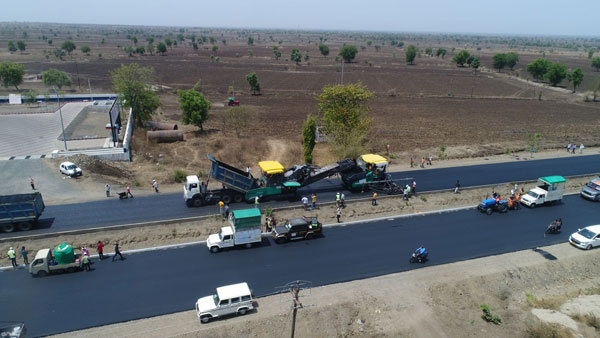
113, 211
165, 281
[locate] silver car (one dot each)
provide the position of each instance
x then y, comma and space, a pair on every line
591, 191
70, 169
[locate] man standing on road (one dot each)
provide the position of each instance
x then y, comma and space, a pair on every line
457, 187
155, 185
338, 214
221, 208
581, 148
129, 192
24, 254
117, 252
227, 211
412, 161
374, 200
414, 188
338, 199
31, 183
13, 257
107, 189
568, 147
574, 146
305, 202
86, 263
100, 249
422, 162
256, 202
342, 200
430, 158
314, 201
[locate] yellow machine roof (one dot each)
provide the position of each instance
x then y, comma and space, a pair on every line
373, 158
271, 167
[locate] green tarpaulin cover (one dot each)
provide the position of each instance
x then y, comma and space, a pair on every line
63, 254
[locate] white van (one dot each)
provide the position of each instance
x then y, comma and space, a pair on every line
236, 298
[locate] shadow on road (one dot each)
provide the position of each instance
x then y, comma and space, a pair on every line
546, 254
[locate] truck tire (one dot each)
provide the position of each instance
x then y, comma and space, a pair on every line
226, 198
242, 311
489, 211
24, 226
532, 206
197, 202
238, 198
310, 235
205, 319
214, 249
8, 227
280, 240
41, 273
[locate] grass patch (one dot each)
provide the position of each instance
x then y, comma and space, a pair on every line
545, 330
488, 316
544, 303
589, 319
179, 175
423, 198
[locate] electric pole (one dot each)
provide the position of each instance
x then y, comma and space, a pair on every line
294, 289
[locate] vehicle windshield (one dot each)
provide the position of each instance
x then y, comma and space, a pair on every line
587, 234
287, 225
216, 299
532, 194
220, 235
594, 185
71, 167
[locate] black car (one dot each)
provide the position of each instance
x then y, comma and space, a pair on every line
297, 228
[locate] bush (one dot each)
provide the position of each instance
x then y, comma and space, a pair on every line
545, 330
179, 175
423, 198
268, 212
488, 316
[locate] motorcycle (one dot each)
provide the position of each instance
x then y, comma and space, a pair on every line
553, 228
418, 258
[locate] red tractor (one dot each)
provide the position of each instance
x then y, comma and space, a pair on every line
233, 102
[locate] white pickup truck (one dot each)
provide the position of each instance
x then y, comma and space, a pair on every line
548, 189
245, 229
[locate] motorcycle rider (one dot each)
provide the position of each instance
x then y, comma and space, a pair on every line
421, 253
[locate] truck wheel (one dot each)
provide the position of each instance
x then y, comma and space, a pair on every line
238, 198
248, 245
489, 211
310, 236
41, 273
533, 206
280, 240
242, 311
197, 202
205, 319
8, 227
226, 198
214, 249
24, 226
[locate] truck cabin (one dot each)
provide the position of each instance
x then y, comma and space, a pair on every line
42, 257
272, 173
193, 184
372, 163
226, 234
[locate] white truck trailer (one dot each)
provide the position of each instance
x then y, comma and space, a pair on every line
549, 189
245, 229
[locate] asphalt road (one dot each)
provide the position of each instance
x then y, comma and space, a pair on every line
165, 281
113, 211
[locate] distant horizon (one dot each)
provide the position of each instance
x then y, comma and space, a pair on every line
316, 30
473, 17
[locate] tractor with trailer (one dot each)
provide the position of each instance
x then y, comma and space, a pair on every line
233, 102
490, 205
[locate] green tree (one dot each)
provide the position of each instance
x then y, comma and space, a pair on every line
11, 46
59, 53
410, 54
591, 53
214, 48
538, 68
475, 63
132, 83
596, 63
296, 56
324, 49
21, 45
348, 53
180, 37
276, 52
168, 42
150, 39
150, 49
68, 46
441, 52
134, 39
53, 77
194, 107
161, 48
306, 57
309, 129
250, 40
576, 78
461, 57
140, 50
557, 72
129, 50
512, 59
85, 49
429, 51
344, 112
252, 79
499, 61
11, 74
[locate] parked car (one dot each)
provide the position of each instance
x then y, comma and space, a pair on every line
70, 169
231, 299
297, 228
591, 191
586, 238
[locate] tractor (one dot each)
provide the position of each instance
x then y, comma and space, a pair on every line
489, 205
233, 102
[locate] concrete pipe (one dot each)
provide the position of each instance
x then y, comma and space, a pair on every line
161, 136
161, 125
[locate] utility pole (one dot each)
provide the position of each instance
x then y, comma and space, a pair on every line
294, 289
61, 118
90, 89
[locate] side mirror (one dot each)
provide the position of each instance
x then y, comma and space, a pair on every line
578, 229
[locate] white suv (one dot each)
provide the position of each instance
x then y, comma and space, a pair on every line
236, 298
70, 169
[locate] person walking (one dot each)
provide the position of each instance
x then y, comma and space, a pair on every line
516, 189
430, 158
568, 147
314, 201
24, 255
221, 208
414, 188
574, 146
338, 214
457, 187
155, 185
338, 199
581, 148
422, 162
107, 189
374, 200
227, 211
86, 263
129, 192
100, 249
342, 200
256, 202
305, 202
13, 257
117, 252
532, 151
405, 194
412, 161
32, 183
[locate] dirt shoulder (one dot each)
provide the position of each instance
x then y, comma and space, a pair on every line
178, 233
437, 301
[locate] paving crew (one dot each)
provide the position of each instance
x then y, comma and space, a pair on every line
24, 254
221, 205
86, 263
107, 189
342, 199
13, 257
305, 202
374, 200
256, 202
314, 201
338, 199
155, 185
414, 188
338, 214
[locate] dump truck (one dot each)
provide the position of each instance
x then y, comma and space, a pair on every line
20, 211
245, 229
549, 189
62, 259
